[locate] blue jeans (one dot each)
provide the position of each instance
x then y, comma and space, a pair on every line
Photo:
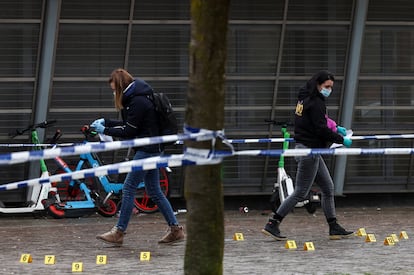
311, 168
153, 189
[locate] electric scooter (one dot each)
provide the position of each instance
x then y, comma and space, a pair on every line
38, 194
284, 186
78, 199
81, 197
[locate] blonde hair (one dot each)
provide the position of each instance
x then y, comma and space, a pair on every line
121, 79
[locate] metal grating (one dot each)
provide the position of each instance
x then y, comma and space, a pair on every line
151, 39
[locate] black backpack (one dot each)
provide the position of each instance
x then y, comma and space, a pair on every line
166, 116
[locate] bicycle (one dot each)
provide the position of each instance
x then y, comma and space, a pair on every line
38, 194
105, 185
284, 186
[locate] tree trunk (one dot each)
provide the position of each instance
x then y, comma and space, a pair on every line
205, 109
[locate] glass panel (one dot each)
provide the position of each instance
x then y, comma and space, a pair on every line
21, 9
18, 49
320, 10
16, 95
308, 49
10, 121
15, 107
386, 167
90, 50
82, 95
95, 9
162, 9
388, 50
252, 50
396, 10
249, 93
384, 105
256, 10
160, 50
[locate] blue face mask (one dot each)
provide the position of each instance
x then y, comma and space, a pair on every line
326, 92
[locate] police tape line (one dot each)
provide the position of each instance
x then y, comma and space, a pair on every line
118, 168
19, 145
273, 140
232, 141
328, 151
368, 137
24, 156
193, 156
191, 134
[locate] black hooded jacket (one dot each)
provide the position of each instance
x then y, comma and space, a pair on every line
310, 121
139, 118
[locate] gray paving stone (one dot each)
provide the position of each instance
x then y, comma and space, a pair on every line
73, 240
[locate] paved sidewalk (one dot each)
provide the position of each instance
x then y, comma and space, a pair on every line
73, 240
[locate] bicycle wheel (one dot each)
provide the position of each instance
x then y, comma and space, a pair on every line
143, 202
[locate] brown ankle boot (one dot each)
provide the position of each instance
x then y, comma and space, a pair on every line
115, 236
176, 234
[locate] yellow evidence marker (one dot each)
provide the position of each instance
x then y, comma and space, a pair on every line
50, 259
370, 238
77, 267
308, 246
101, 259
361, 232
389, 241
394, 238
145, 256
290, 244
238, 237
26, 258
403, 235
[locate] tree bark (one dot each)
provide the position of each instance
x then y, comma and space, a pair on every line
203, 188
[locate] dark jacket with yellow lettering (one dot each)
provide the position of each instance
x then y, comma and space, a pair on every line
310, 121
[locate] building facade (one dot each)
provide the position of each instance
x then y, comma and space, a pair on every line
56, 56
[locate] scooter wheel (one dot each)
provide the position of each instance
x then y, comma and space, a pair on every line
108, 209
55, 212
311, 207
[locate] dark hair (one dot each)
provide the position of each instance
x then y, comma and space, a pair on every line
317, 79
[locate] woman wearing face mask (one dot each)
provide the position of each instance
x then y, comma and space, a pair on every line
311, 131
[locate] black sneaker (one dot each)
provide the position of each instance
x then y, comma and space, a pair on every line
337, 232
272, 229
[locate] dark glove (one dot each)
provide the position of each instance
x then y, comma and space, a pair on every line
341, 130
98, 127
347, 142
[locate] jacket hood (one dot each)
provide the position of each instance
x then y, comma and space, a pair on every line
303, 93
137, 87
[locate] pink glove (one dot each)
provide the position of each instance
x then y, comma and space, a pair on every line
331, 124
